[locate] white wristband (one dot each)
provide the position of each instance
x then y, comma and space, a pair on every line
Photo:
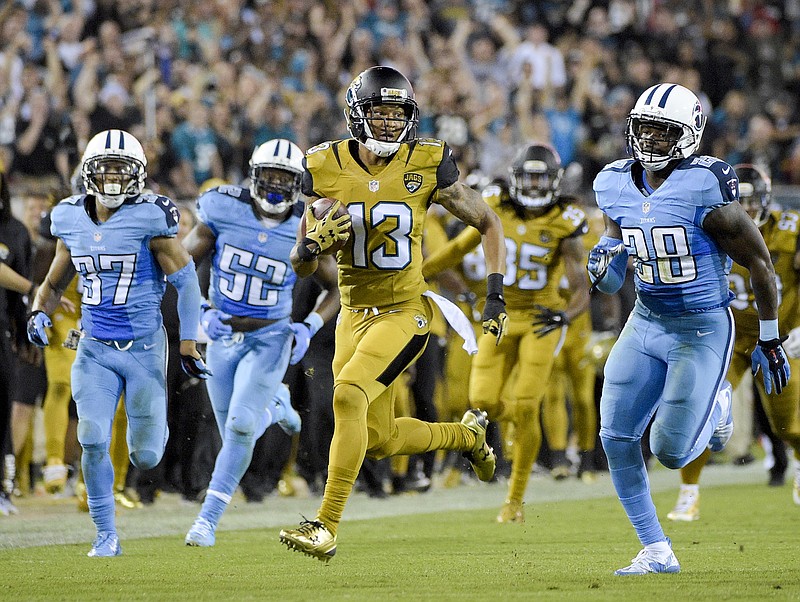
767, 330
314, 321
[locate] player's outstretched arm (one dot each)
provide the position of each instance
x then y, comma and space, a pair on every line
13, 281
449, 254
736, 233
179, 267
58, 277
739, 237
199, 241
468, 206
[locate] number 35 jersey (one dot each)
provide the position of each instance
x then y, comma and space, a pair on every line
679, 267
251, 273
122, 282
381, 263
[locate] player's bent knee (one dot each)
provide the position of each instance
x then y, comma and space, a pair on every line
242, 422
145, 459
349, 402
90, 433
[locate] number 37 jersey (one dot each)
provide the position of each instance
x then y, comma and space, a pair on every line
679, 267
122, 282
381, 263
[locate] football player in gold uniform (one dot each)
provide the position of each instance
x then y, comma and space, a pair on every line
541, 235
574, 370
387, 179
781, 232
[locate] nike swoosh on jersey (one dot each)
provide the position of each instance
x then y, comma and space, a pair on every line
148, 347
700, 333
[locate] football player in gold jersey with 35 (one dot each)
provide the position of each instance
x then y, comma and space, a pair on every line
387, 179
541, 235
781, 232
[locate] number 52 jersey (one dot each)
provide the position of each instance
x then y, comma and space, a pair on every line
679, 267
122, 282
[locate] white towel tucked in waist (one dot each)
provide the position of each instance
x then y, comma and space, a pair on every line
456, 318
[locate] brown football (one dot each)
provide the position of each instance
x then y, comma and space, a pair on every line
320, 207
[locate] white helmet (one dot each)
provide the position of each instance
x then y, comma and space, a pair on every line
675, 110
118, 154
276, 172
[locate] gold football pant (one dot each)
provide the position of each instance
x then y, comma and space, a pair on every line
534, 357
572, 371
58, 363
373, 346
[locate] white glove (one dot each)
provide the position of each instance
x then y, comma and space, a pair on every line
792, 344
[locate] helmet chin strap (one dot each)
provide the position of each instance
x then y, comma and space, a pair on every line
382, 149
110, 202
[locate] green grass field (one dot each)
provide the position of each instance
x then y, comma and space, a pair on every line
443, 545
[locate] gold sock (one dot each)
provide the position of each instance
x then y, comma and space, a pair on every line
337, 489
527, 441
690, 474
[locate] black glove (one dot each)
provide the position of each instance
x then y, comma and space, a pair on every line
495, 320
195, 367
547, 320
770, 357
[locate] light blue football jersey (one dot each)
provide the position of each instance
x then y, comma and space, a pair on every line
251, 274
122, 281
679, 267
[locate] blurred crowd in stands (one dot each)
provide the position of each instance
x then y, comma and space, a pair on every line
202, 83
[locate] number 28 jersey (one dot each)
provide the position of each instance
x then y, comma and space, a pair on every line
679, 267
381, 263
122, 282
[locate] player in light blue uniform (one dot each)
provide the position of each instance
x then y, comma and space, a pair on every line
250, 233
122, 242
677, 215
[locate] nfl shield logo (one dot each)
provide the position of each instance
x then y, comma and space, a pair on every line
262, 237
412, 181
646, 207
97, 236
374, 185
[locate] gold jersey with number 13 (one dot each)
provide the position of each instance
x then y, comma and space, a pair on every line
381, 263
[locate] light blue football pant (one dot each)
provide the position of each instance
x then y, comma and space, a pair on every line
247, 372
100, 373
670, 366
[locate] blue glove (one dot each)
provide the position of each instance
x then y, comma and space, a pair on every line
600, 260
770, 357
37, 322
195, 367
302, 339
213, 322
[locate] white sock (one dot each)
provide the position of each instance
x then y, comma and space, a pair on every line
693, 490
660, 547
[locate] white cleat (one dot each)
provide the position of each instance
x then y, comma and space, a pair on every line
651, 561
722, 434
